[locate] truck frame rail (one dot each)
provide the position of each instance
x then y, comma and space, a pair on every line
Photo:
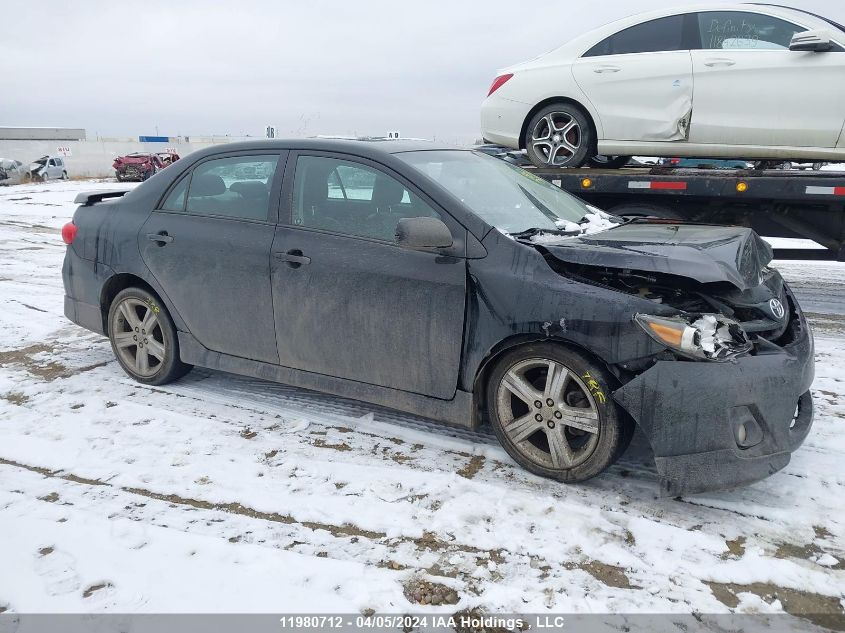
775, 203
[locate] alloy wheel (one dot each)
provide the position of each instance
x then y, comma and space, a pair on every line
138, 337
556, 138
548, 413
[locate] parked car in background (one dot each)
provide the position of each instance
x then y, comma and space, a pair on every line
463, 289
12, 172
768, 85
137, 166
47, 168
167, 158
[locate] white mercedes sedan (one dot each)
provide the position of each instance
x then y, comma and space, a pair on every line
750, 81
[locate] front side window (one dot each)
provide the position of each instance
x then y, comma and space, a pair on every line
352, 198
663, 34
728, 30
511, 199
235, 187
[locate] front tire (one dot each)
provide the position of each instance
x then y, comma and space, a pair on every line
551, 410
143, 338
559, 135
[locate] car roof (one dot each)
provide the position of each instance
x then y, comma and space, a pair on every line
372, 147
576, 47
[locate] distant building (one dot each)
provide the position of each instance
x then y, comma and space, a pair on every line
42, 134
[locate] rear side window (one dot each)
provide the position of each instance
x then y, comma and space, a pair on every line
175, 201
235, 187
351, 198
662, 34
740, 30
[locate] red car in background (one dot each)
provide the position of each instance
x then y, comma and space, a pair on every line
140, 166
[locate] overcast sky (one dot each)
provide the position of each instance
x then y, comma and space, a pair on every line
316, 67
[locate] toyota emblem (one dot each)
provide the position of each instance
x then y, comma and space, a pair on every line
777, 308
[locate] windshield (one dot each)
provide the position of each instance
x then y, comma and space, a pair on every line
507, 197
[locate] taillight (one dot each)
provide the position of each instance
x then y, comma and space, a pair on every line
498, 82
68, 232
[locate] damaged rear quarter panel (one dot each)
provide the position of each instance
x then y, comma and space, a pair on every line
513, 294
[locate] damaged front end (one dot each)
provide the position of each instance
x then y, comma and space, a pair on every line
727, 400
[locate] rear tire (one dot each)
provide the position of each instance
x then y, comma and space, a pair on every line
143, 338
559, 135
537, 394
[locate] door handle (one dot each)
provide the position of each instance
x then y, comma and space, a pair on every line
293, 258
719, 62
161, 237
607, 69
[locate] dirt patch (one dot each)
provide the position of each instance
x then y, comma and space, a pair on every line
419, 591
15, 397
95, 588
809, 552
475, 464
609, 575
50, 498
83, 480
391, 564
821, 610
342, 447
736, 548
346, 429
821, 532
49, 370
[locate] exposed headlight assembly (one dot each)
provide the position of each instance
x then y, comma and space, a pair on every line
708, 337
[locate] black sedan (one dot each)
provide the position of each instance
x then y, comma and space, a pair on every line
453, 285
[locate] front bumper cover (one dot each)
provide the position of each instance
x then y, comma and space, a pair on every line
691, 413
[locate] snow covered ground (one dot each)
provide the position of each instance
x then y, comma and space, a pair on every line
220, 493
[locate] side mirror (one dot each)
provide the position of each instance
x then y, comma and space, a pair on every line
816, 41
423, 233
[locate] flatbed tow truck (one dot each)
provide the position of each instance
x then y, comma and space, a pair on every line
775, 203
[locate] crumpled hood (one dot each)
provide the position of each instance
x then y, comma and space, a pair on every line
704, 253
